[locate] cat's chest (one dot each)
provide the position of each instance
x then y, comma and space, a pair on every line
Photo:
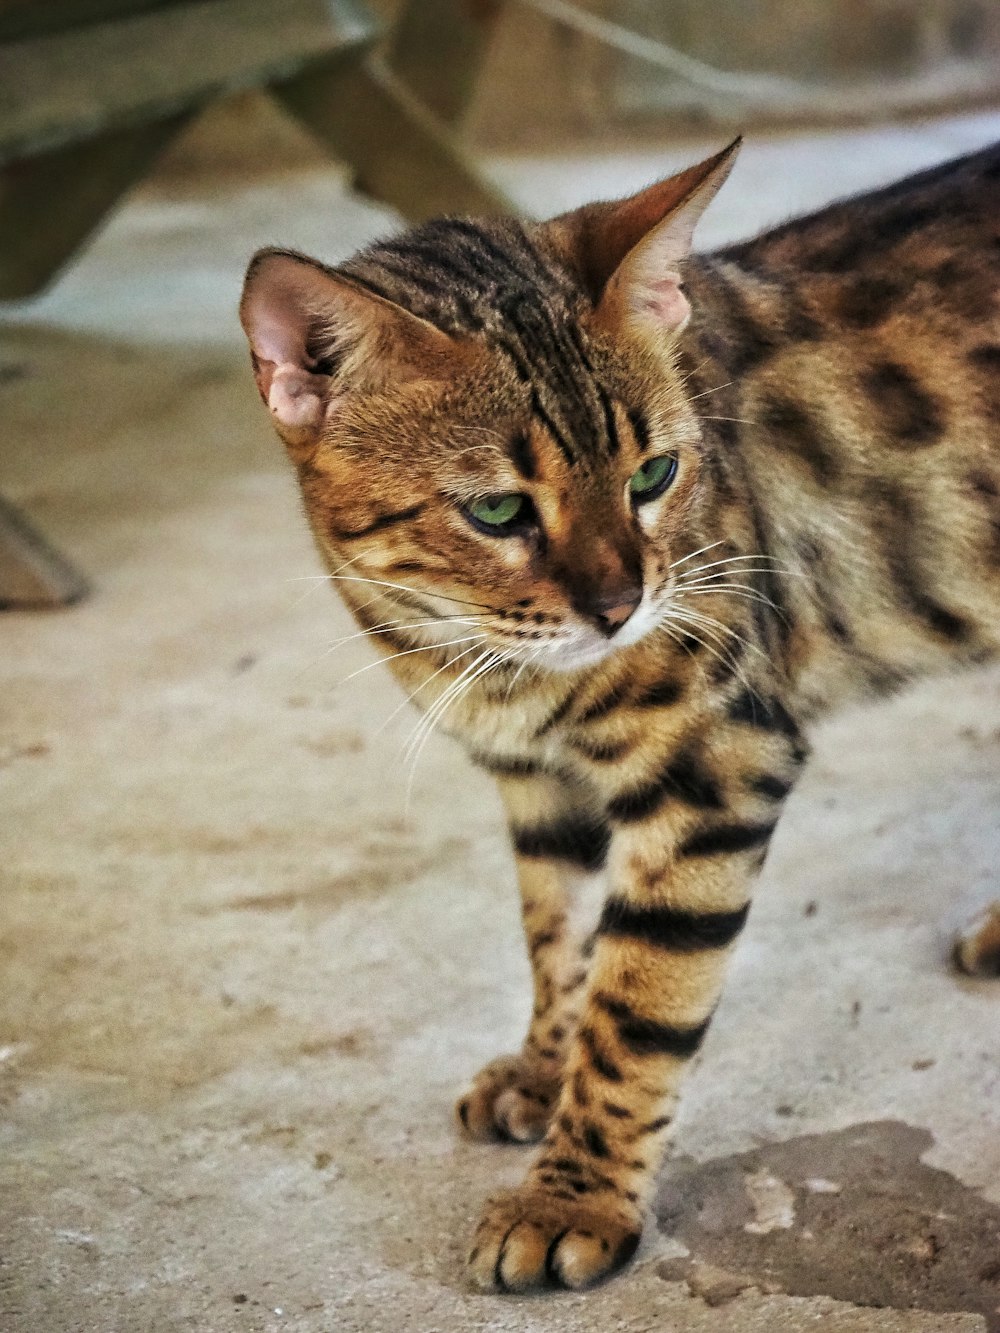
506, 727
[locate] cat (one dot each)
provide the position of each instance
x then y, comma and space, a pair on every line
626, 520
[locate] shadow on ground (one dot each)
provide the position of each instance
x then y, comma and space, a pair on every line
855, 1215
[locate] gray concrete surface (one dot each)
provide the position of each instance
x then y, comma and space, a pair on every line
240, 983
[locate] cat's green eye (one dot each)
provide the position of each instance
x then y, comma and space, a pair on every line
653, 478
498, 514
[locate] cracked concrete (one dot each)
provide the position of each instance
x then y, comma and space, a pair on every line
242, 983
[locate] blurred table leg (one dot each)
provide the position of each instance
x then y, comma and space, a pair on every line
32, 574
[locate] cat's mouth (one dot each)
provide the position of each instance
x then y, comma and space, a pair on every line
581, 645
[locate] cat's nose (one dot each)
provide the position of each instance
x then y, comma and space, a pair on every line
610, 612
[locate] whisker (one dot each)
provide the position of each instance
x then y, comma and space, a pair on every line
736, 559
390, 626
426, 721
728, 660
401, 587
481, 667
530, 660
672, 632
725, 573
424, 648
691, 373
700, 551
710, 622
410, 698
315, 578
705, 392
751, 594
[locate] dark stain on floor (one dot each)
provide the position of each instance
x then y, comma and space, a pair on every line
855, 1215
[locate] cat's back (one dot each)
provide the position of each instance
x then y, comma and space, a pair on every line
885, 305
852, 361
907, 227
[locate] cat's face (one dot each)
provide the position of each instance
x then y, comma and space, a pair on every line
493, 440
459, 493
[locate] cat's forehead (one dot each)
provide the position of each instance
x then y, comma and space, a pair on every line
471, 276
499, 282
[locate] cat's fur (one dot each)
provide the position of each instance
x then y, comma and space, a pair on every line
638, 677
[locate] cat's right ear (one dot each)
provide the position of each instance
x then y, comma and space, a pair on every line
315, 335
630, 253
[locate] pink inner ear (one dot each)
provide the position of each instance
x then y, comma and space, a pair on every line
664, 300
296, 398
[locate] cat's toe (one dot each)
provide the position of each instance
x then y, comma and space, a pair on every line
531, 1238
977, 946
511, 1100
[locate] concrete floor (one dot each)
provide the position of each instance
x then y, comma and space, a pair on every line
242, 984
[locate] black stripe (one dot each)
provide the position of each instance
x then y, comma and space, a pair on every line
910, 414
640, 428
418, 285
550, 426
595, 1142
672, 929
505, 262
869, 301
601, 1063
576, 839
728, 838
753, 342
770, 786
605, 752
619, 1112
654, 1126
610, 426
383, 521
503, 767
681, 780
522, 456
557, 715
768, 714
661, 695
644, 1036
606, 704
986, 357
902, 545
793, 429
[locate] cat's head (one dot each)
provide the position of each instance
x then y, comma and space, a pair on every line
489, 416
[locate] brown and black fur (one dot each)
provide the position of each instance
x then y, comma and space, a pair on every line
834, 407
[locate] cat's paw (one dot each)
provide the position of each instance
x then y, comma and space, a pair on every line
511, 1099
977, 945
530, 1237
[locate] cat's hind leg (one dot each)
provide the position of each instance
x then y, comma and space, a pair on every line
560, 852
977, 945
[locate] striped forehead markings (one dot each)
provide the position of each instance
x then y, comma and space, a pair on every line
455, 274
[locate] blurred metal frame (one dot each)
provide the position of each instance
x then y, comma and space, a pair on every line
90, 94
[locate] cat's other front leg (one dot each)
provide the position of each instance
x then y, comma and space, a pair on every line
684, 855
560, 846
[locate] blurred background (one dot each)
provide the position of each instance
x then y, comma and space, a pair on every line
241, 977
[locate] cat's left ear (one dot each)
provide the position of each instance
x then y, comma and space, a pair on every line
630, 253
317, 335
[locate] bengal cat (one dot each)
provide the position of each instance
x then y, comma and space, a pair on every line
626, 521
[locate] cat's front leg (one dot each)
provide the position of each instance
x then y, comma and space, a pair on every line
560, 846
681, 868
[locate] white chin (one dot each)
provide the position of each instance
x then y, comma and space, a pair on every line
582, 655
595, 648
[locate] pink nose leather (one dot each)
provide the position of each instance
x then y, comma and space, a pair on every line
611, 618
